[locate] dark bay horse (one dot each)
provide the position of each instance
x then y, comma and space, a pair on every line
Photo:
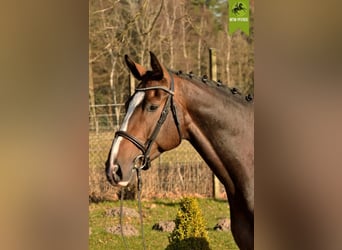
170, 106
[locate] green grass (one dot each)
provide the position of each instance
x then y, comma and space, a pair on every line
154, 211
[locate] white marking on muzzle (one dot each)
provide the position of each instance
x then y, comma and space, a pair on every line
136, 100
123, 183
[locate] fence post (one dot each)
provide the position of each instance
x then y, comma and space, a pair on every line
213, 76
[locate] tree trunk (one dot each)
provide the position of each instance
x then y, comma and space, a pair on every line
199, 47
92, 109
185, 54
229, 83
113, 88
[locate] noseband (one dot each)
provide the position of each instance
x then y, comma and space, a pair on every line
145, 148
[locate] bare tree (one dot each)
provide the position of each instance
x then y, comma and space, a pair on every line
92, 109
180, 32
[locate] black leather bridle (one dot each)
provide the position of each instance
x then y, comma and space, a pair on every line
144, 159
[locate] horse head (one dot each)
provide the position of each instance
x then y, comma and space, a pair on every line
150, 126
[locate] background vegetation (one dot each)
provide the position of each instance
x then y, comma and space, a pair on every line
190, 230
154, 211
179, 32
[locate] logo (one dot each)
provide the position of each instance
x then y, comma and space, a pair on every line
239, 9
238, 16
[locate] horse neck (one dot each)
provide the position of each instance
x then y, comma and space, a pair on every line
221, 130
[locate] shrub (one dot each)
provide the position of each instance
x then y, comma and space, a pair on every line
190, 230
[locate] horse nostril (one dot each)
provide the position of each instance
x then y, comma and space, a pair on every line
116, 172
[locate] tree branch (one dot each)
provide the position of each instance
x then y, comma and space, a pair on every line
155, 19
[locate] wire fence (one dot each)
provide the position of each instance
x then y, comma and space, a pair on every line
176, 173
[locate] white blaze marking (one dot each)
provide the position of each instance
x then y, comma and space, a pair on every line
137, 99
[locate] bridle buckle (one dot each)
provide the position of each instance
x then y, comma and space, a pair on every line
141, 162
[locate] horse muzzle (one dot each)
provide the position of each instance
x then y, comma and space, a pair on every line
115, 175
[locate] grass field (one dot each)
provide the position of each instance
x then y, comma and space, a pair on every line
154, 211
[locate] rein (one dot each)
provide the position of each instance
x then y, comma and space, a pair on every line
146, 147
138, 169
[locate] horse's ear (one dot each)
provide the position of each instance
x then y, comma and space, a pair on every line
137, 70
158, 73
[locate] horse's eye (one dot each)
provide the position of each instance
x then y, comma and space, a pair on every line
152, 107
